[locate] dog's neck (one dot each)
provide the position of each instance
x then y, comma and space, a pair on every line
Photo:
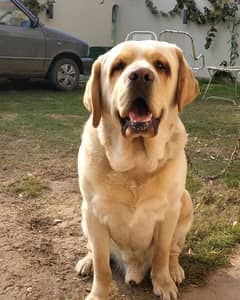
142, 154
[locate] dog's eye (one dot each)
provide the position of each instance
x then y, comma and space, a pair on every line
161, 66
118, 67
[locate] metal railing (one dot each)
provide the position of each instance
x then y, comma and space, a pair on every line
139, 35
174, 35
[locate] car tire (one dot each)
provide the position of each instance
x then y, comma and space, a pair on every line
65, 74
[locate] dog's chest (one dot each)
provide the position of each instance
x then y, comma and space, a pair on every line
130, 211
131, 229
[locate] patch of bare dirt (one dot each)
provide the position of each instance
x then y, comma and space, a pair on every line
8, 116
63, 117
222, 285
66, 119
41, 241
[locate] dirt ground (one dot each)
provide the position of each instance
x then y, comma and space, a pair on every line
222, 285
41, 241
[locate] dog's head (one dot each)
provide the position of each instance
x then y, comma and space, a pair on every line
137, 83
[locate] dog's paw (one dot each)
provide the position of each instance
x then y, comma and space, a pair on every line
84, 266
165, 288
177, 273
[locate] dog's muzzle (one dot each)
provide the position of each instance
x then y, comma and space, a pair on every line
140, 120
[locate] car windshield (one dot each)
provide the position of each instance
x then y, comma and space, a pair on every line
10, 15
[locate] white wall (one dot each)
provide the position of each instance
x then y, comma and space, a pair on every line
92, 21
136, 16
86, 19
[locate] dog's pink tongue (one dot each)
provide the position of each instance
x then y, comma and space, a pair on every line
134, 117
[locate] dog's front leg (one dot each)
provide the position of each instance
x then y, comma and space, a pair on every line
99, 242
163, 285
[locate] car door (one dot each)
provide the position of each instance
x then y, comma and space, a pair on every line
22, 46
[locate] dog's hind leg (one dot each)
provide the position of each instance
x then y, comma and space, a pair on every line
84, 266
182, 228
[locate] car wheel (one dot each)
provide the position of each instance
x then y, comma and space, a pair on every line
64, 74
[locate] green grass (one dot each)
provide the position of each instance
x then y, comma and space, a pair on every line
216, 229
47, 118
27, 186
213, 127
38, 124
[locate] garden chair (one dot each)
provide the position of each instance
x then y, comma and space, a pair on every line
232, 70
184, 40
138, 35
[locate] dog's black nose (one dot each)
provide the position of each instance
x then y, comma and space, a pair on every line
142, 75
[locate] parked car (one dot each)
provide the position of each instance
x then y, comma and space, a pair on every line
28, 49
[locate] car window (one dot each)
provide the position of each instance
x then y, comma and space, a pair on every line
11, 15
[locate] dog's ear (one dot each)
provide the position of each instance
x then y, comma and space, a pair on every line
187, 86
92, 95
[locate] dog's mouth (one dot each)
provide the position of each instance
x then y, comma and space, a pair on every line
140, 120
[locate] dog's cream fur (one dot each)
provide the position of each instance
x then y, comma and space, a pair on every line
134, 200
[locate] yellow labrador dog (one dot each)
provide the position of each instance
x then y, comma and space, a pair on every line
132, 166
